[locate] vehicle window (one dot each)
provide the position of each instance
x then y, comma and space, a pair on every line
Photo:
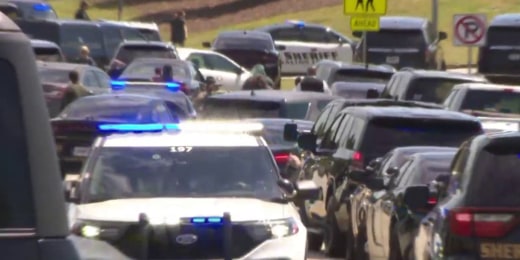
318, 35
492, 173
151, 35
358, 75
356, 132
393, 91
384, 134
396, 39
195, 73
407, 175
328, 139
72, 37
238, 109
433, 90
344, 130
103, 79
429, 171
146, 70
108, 109
112, 37
54, 75
165, 172
449, 99
161, 114
132, 34
345, 91
323, 71
503, 36
240, 43
177, 111
403, 170
198, 61
319, 126
296, 110
274, 136
287, 34
216, 62
90, 80
48, 54
128, 53
492, 101
386, 163
432, 35
15, 188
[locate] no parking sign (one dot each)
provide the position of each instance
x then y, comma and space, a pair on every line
469, 29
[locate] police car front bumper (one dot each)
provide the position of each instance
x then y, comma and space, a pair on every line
287, 248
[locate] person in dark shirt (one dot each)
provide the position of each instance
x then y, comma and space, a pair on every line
179, 30
81, 13
84, 56
74, 90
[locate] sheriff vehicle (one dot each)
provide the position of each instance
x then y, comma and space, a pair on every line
189, 191
305, 44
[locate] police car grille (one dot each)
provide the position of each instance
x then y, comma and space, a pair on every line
209, 243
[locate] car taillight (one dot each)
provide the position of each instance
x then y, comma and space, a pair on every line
282, 157
432, 201
357, 161
481, 223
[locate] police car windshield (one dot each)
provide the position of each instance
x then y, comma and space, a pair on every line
54, 75
433, 90
146, 70
243, 43
492, 101
127, 54
106, 109
237, 109
48, 54
398, 39
503, 36
362, 75
148, 172
73, 36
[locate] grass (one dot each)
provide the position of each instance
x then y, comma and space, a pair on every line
67, 8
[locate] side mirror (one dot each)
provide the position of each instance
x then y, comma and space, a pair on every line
280, 47
287, 186
357, 34
374, 164
206, 44
290, 132
308, 190
392, 171
443, 36
416, 197
307, 141
372, 93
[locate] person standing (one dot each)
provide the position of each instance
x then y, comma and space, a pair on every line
81, 13
179, 29
84, 56
74, 90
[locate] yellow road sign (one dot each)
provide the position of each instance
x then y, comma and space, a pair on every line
364, 23
362, 7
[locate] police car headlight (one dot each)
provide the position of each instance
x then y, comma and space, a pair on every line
92, 230
283, 228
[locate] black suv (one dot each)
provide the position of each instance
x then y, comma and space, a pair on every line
357, 136
403, 42
477, 216
500, 56
425, 85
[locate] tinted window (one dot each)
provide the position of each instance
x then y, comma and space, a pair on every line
319, 126
150, 35
107, 109
396, 39
318, 35
492, 101
48, 54
353, 75
54, 75
349, 93
90, 80
494, 173
16, 205
72, 37
127, 54
103, 79
274, 137
162, 172
385, 134
146, 70
112, 37
226, 43
216, 62
428, 171
433, 90
503, 36
296, 110
241, 109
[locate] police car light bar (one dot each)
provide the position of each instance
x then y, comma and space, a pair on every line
220, 127
297, 23
41, 7
119, 85
137, 127
207, 220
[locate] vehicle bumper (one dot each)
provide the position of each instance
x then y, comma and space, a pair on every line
287, 248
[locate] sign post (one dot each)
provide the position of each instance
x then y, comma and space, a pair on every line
469, 30
364, 17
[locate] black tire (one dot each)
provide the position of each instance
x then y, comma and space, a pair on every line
395, 247
314, 241
359, 245
334, 240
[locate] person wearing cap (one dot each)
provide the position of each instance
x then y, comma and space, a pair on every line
84, 56
81, 13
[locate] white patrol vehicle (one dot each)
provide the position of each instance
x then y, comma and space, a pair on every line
224, 70
193, 191
303, 44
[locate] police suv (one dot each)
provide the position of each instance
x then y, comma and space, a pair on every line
305, 44
189, 191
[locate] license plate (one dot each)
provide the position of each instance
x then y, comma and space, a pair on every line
81, 151
514, 56
392, 59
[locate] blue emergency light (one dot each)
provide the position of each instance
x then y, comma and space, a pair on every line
206, 220
137, 127
299, 24
119, 85
41, 7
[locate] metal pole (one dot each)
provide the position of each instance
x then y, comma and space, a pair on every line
365, 49
470, 58
435, 15
120, 10
228, 240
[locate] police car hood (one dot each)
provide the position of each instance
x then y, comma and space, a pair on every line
172, 209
